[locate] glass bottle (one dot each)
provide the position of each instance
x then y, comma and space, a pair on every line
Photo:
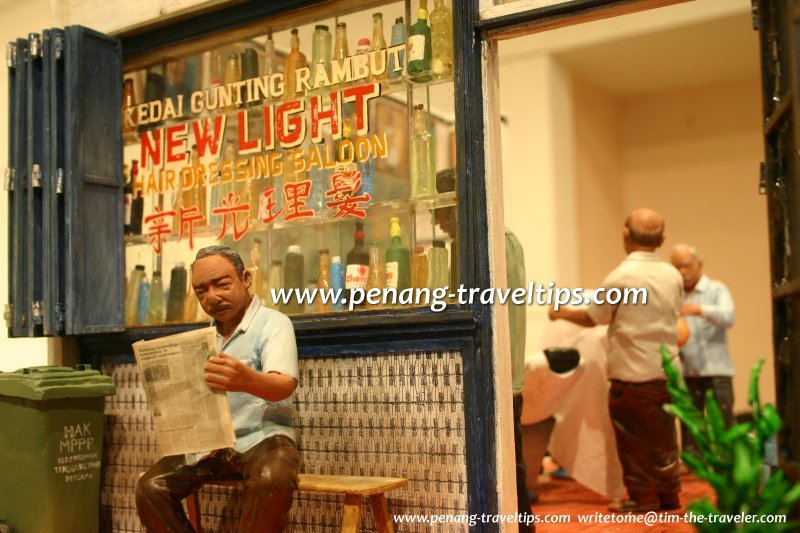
155, 308
398, 260
377, 61
222, 188
362, 47
177, 292
357, 271
142, 302
367, 167
423, 166
324, 281
137, 204
294, 61
199, 189
128, 100
377, 271
419, 268
321, 51
441, 40
257, 275
340, 49
438, 271
337, 281
419, 46
398, 37
132, 296
233, 73
249, 71
128, 200
270, 59
187, 194
274, 282
361, 60
317, 175
294, 278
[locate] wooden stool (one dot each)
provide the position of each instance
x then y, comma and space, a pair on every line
354, 489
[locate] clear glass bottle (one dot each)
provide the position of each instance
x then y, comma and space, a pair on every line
295, 60
155, 308
233, 73
294, 278
419, 268
398, 259
256, 273
441, 40
419, 46
438, 270
321, 51
132, 295
270, 59
324, 281
377, 271
337, 281
423, 165
340, 48
274, 283
377, 61
398, 38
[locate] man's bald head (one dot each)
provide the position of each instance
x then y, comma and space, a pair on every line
644, 230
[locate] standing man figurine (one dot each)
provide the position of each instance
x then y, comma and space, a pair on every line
646, 437
708, 308
257, 367
515, 278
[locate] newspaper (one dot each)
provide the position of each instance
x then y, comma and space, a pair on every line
188, 416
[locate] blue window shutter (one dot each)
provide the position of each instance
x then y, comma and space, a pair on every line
54, 223
36, 168
95, 276
18, 326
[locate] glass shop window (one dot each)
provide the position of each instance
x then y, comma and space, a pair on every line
312, 147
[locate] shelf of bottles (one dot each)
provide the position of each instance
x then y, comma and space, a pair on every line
319, 169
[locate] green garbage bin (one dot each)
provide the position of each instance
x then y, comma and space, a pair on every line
51, 447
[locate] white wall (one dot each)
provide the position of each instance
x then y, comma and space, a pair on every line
694, 155
535, 95
17, 19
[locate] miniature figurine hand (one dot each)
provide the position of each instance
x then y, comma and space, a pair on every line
225, 373
689, 308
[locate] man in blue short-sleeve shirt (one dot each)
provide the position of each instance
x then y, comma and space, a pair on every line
257, 367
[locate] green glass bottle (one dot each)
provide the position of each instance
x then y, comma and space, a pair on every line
419, 46
398, 260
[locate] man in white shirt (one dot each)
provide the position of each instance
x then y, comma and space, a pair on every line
257, 367
646, 438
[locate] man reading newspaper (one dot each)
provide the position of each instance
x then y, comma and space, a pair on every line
257, 368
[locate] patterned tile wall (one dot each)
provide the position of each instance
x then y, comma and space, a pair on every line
393, 415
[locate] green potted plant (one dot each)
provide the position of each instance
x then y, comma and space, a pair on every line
730, 460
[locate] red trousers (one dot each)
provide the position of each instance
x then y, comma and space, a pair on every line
647, 441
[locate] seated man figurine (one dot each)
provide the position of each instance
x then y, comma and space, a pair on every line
257, 367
